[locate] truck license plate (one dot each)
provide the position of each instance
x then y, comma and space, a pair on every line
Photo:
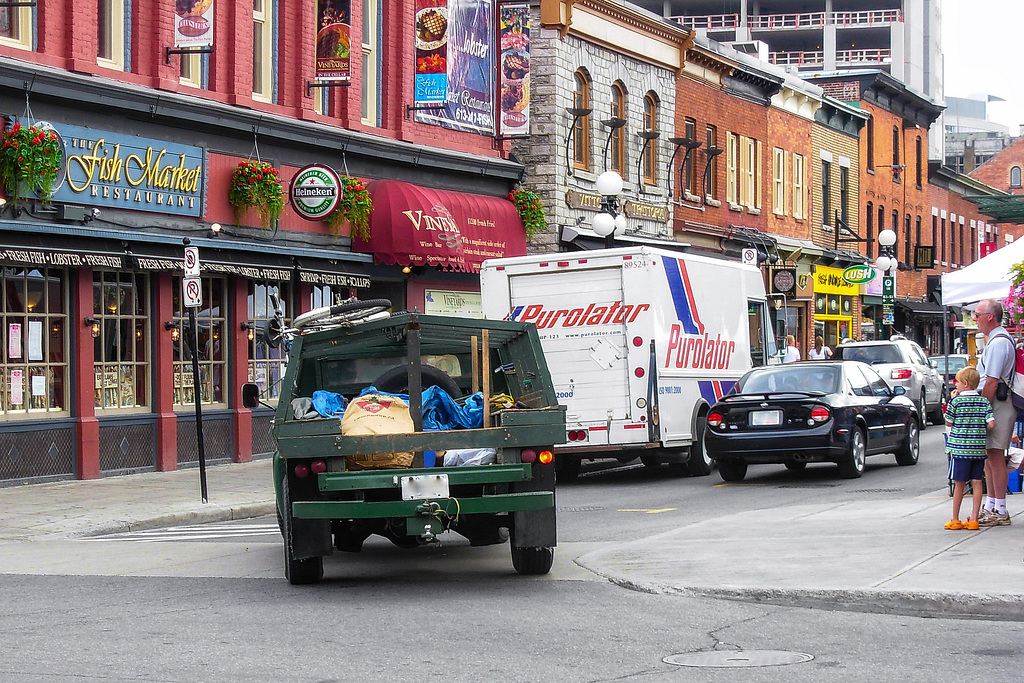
425, 486
765, 418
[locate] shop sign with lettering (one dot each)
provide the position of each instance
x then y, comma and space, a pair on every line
652, 212
60, 259
129, 172
579, 200
831, 281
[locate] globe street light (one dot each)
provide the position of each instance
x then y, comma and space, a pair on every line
608, 220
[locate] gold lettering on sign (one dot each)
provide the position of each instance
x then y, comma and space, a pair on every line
654, 212
149, 169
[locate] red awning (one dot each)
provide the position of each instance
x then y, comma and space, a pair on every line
413, 225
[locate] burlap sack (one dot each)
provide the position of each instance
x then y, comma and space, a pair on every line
376, 414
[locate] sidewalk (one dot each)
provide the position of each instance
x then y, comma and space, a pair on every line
889, 556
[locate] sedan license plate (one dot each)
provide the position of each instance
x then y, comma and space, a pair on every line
765, 418
425, 486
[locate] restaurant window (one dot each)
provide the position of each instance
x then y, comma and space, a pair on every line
748, 172
267, 362
110, 39
826, 192
952, 241
35, 345
870, 216
618, 135
371, 81
651, 126
581, 133
917, 233
732, 166
919, 155
907, 253
871, 144
262, 50
690, 168
120, 305
711, 177
896, 229
895, 147
778, 181
942, 241
190, 70
211, 323
16, 27
798, 186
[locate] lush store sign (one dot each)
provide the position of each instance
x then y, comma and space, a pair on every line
128, 172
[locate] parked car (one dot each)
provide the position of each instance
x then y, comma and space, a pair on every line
901, 363
813, 411
957, 362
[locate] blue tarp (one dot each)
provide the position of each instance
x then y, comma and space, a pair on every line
329, 404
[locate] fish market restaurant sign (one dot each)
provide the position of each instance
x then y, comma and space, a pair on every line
128, 172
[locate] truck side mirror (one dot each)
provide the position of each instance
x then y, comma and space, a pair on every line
250, 395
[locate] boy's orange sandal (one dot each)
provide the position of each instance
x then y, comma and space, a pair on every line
954, 525
972, 525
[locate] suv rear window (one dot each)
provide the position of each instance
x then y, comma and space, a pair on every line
881, 353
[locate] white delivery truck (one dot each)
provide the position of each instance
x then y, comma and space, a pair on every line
639, 341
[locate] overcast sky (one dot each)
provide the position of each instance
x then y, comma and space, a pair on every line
982, 44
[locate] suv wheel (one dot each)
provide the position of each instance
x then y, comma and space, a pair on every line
922, 411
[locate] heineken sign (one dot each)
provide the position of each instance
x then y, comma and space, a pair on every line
858, 275
315, 192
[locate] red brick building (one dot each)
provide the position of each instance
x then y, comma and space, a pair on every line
94, 371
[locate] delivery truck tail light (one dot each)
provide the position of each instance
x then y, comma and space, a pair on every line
639, 372
577, 435
318, 466
302, 471
638, 341
528, 455
545, 457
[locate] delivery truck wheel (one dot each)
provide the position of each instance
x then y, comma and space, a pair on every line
567, 468
532, 561
298, 572
699, 464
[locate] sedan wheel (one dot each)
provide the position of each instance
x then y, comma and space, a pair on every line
911, 447
796, 465
853, 466
732, 470
922, 409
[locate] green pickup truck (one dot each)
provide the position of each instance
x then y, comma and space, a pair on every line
329, 496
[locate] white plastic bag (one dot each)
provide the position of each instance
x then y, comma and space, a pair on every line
469, 456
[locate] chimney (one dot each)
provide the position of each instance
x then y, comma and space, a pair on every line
1020, 129
970, 161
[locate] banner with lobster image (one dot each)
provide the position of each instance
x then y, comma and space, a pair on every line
193, 23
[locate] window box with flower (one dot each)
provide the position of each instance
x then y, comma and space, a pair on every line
255, 185
528, 205
30, 159
354, 208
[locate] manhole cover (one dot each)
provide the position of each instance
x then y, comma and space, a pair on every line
583, 508
875, 491
735, 659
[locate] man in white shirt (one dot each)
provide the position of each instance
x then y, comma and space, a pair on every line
998, 361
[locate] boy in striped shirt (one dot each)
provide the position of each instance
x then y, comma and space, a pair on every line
969, 417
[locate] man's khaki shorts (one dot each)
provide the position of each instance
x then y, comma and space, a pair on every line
1006, 417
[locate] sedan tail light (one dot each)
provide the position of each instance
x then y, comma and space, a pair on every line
901, 373
820, 414
714, 419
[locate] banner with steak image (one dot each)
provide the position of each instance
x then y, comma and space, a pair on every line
514, 98
431, 81
193, 23
333, 40
469, 104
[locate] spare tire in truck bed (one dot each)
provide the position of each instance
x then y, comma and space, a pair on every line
396, 380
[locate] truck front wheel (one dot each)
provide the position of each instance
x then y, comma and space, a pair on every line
532, 561
298, 572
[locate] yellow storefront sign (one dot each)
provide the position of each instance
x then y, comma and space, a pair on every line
830, 281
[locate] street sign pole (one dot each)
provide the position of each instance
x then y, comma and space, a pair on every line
192, 298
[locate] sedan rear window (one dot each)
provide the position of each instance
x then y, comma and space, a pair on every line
778, 379
882, 353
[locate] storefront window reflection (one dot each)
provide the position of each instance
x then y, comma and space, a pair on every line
267, 362
34, 369
120, 304
211, 324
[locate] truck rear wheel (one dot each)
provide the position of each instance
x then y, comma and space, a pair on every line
699, 464
298, 572
532, 561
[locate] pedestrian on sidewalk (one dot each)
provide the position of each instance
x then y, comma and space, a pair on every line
792, 354
969, 418
996, 366
820, 351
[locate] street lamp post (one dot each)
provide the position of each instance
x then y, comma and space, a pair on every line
887, 263
608, 220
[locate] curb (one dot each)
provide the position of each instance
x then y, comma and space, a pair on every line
994, 606
197, 516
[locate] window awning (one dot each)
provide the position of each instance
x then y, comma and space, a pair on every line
413, 225
920, 308
1001, 208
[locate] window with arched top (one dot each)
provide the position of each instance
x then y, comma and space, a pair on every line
1015, 176
617, 144
581, 134
651, 126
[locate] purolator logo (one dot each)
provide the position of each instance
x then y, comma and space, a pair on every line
605, 314
315, 192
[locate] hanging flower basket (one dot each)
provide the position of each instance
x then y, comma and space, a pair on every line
530, 210
30, 159
354, 208
1014, 303
255, 185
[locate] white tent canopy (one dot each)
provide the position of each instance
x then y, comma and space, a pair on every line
987, 278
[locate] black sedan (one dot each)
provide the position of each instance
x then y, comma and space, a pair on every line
815, 411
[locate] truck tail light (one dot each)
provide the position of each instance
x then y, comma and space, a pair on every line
901, 373
714, 419
318, 466
577, 434
638, 341
820, 414
528, 455
546, 457
639, 372
302, 471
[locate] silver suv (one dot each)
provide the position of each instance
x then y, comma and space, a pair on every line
901, 363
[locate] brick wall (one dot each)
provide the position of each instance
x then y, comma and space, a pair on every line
996, 171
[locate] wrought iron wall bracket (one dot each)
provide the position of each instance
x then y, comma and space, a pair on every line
182, 50
325, 84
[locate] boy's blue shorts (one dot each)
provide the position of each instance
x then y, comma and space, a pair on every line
966, 469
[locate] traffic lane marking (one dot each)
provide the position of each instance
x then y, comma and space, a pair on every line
648, 511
